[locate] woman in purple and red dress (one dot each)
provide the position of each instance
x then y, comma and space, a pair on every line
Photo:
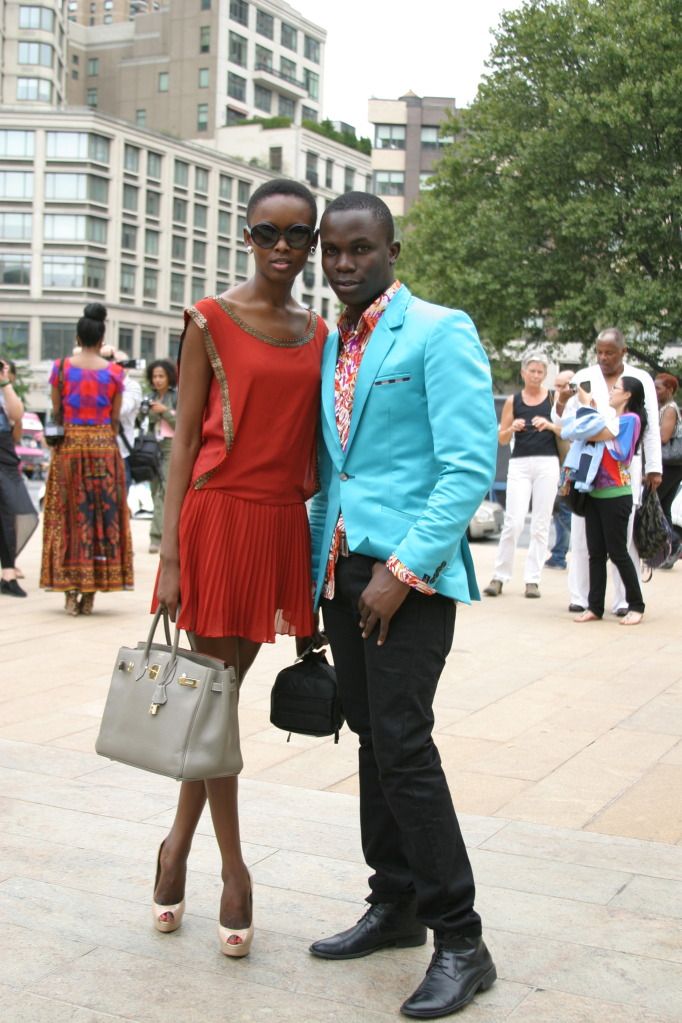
235, 551
86, 531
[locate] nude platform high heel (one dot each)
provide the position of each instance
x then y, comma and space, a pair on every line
175, 913
227, 935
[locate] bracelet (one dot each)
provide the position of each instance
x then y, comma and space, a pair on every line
5, 383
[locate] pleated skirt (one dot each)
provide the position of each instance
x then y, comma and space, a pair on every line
244, 567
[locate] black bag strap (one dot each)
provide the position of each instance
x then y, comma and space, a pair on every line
124, 439
59, 414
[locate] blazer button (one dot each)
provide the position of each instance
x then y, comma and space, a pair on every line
343, 476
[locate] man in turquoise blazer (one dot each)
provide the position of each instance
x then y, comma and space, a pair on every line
409, 441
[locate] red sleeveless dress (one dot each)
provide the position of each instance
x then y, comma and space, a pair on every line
244, 538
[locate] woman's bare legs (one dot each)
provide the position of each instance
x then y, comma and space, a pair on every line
235, 906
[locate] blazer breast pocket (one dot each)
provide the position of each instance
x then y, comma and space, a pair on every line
393, 380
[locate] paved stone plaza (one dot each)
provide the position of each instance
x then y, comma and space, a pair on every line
563, 748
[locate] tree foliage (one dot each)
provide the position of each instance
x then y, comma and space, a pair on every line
557, 211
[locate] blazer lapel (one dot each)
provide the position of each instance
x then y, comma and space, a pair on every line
328, 405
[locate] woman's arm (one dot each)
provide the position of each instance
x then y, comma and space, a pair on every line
508, 425
668, 425
192, 397
116, 412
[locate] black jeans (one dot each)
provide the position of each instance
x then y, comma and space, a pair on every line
606, 529
410, 833
672, 477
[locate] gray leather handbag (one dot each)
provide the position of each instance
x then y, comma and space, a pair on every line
172, 711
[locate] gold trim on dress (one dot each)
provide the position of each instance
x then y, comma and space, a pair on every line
295, 342
219, 370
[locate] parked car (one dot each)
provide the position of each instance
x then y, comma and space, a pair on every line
487, 522
31, 449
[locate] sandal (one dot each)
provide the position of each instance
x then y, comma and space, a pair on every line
632, 618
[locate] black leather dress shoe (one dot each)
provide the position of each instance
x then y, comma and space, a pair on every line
575, 608
456, 972
384, 925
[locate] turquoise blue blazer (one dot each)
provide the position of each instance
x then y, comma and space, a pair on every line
421, 450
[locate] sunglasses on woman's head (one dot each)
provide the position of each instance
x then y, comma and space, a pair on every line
265, 235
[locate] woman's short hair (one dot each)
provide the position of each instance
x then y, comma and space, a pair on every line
535, 357
282, 186
167, 366
90, 327
668, 381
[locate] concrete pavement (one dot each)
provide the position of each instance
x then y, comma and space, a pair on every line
563, 746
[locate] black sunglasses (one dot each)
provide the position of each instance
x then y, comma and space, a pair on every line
266, 235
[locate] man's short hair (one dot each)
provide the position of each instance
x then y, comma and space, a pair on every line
364, 201
617, 335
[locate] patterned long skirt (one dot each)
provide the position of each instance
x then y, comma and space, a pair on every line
87, 544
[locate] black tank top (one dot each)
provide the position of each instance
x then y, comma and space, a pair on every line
530, 442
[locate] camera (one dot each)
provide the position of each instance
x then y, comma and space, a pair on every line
133, 363
145, 405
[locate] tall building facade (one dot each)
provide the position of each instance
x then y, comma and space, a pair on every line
105, 12
196, 65
407, 144
33, 57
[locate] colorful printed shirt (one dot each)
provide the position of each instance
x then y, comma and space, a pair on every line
87, 394
353, 340
613, 474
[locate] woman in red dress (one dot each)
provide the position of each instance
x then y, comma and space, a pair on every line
235, 552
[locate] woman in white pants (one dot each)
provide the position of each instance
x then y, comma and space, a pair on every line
532, 477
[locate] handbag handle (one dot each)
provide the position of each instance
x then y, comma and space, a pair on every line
161, 610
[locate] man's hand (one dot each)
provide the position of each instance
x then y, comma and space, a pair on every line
317, 640
653, 480
380, 600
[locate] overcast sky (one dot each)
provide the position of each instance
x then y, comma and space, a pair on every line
384, 49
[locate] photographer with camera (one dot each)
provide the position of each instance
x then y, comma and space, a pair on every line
18, 518
162, 378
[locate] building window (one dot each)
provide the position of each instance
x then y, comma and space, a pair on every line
57, 340
153, 204
389, 136
311, 49
202, 116
241, 225
239, 11
72, 227
430, 137
16, 227
243, 192
17, 143
263, 58
174, 339
128, 237
163, 81
288, 69
150, 283
275, 158
236, 88
127, 279
31, 89
204, 78
225, 186
223, 258
198, 289
241, 262
15, 269
151, 242
348, 179
36, 53
237, 49
201, 180
426, 182
177, 289
181, 174
130, 198
262, 99
16, 184
148, 345
329, 173
199, 253
91, 98
311, 81
14, 338
234, 116
131, 158
205, 5
286, 107
154, 165
265, 24
36, 17
93, 67
141, 117
224, 222
74, 272
77, 145
309, 275
311, 175
76, 187
389, 182
309, 114
289, 36
205, 39
179, 211
200, 216
325, 308
178, 247
125, 339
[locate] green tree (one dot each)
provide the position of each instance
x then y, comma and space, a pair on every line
557, 211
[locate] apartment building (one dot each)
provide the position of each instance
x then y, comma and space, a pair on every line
104, 12
407, 144
33, 58
92, 208
196, 65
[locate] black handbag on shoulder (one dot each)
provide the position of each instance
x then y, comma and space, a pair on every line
305, 698
144, 457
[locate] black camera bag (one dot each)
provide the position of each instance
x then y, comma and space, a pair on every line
305, 699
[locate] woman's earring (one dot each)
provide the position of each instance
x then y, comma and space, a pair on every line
249, 249
312, 250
